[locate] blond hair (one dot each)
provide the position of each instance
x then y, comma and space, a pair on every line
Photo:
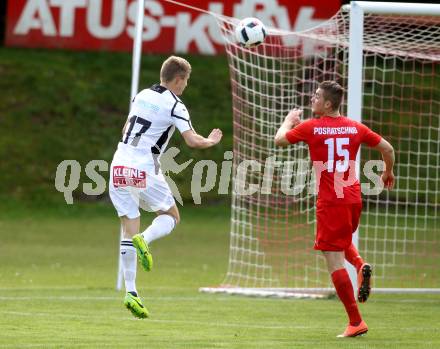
174, 66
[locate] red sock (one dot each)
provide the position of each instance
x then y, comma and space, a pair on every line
353, 257
344, 289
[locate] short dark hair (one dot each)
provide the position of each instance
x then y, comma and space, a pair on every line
174, 66
332, 92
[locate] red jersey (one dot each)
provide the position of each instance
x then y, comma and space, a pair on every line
333, 144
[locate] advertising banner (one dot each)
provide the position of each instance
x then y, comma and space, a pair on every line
167, 27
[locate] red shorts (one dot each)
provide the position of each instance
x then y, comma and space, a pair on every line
336, 225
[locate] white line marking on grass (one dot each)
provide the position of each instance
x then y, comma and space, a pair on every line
202, 298
219, 298
44, 288
405, 301
91, 289
59, 298
101, 298
64, 345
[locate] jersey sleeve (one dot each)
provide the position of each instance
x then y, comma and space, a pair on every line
180, 117
369, 137
299, 133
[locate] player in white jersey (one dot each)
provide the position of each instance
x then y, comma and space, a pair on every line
135, 176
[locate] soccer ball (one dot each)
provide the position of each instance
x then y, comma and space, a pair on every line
250, 32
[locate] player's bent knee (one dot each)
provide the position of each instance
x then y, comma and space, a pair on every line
176, 219
334, 259
173, 212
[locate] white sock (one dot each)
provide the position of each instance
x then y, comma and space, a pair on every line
128, 259
162, 225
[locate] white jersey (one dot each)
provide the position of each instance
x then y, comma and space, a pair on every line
154, 115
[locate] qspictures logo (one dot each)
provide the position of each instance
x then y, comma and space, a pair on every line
246, 177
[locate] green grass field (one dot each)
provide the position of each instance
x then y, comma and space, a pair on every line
57, 290
58, 263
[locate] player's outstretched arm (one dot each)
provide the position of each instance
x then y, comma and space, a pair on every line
194, 140
387, 152
292, 119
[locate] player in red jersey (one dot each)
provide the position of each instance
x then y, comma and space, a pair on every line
333, 142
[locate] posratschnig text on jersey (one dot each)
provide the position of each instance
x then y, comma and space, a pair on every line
334, 130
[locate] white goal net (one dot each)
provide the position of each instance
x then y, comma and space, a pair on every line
272, 229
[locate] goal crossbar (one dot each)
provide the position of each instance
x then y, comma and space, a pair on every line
395, 8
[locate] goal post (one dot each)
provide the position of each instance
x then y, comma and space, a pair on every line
387, 57
354, 95
135, 72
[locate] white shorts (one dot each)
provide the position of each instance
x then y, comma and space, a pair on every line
148, 191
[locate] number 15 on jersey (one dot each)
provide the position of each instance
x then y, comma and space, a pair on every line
341, 165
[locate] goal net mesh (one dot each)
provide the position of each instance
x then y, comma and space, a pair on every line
272, 228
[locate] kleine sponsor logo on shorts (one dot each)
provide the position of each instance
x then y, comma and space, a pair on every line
168, 28
128, 177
